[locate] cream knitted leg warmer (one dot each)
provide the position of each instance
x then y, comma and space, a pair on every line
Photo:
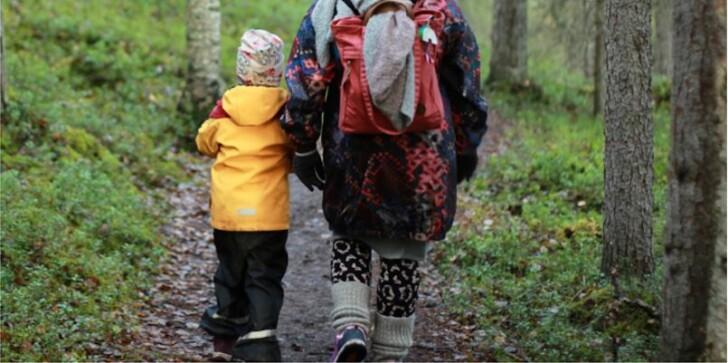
392, 338
351, 305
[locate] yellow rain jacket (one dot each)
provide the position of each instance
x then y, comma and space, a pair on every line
249, 186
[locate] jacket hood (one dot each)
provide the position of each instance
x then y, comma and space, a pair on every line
251, 106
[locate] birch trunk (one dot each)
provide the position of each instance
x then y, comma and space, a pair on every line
693, 309
508, 59
628, 132
204, 85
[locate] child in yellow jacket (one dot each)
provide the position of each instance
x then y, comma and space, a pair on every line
249, 203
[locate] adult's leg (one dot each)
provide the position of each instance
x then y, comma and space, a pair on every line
394, 320
350, 278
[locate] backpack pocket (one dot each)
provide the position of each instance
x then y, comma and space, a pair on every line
354, 115
357, 113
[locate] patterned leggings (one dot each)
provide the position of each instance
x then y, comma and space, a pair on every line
398, 281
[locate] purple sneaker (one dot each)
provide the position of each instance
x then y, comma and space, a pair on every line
350, 345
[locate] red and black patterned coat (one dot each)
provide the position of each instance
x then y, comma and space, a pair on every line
379, 186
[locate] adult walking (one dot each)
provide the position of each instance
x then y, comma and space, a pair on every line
396, 141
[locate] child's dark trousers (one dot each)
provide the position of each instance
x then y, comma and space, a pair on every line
249, 291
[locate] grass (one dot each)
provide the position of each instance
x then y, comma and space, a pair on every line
528, 249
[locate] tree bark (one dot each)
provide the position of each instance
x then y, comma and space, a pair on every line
598, 100
693, 309
628, 132
204, 85
509, 55
663, 37
716, 337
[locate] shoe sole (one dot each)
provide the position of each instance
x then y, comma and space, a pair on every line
221, 357
354, 350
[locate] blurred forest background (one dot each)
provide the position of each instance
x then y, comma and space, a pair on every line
92, 138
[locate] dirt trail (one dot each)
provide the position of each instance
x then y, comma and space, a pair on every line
171, 309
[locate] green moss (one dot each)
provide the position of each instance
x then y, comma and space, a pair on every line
82, 145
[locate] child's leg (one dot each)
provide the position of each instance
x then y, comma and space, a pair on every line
394, 321
350, 278
266, 261
229, 317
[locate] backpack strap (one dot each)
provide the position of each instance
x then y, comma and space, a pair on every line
387, 5
436, 5
352, 7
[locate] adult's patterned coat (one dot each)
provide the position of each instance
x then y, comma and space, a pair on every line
377, 186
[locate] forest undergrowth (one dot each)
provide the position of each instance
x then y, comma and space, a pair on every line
523, 263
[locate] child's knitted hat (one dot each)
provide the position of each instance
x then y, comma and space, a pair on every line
260, 59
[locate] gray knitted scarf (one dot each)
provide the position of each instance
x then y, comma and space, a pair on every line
389, 65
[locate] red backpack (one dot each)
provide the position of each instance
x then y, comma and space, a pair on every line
357, 113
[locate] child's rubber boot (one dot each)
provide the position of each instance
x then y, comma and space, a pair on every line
218, 325
222, 347
258, 346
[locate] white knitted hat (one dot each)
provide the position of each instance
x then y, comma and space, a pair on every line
260, 59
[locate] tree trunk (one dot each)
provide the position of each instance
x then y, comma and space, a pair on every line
716, 337
508, 58
584, 37
663, 37
693, 309
576, 32
204, 85
628, 145
598, 100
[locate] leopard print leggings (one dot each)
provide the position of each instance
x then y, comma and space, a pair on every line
399, 279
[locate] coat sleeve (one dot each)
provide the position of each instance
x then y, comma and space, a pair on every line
206, 141
460, 76
307, 82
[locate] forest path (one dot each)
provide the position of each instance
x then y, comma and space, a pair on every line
171, 309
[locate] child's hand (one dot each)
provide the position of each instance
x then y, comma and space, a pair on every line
206, 142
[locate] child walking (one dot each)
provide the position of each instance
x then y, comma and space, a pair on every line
249, 203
